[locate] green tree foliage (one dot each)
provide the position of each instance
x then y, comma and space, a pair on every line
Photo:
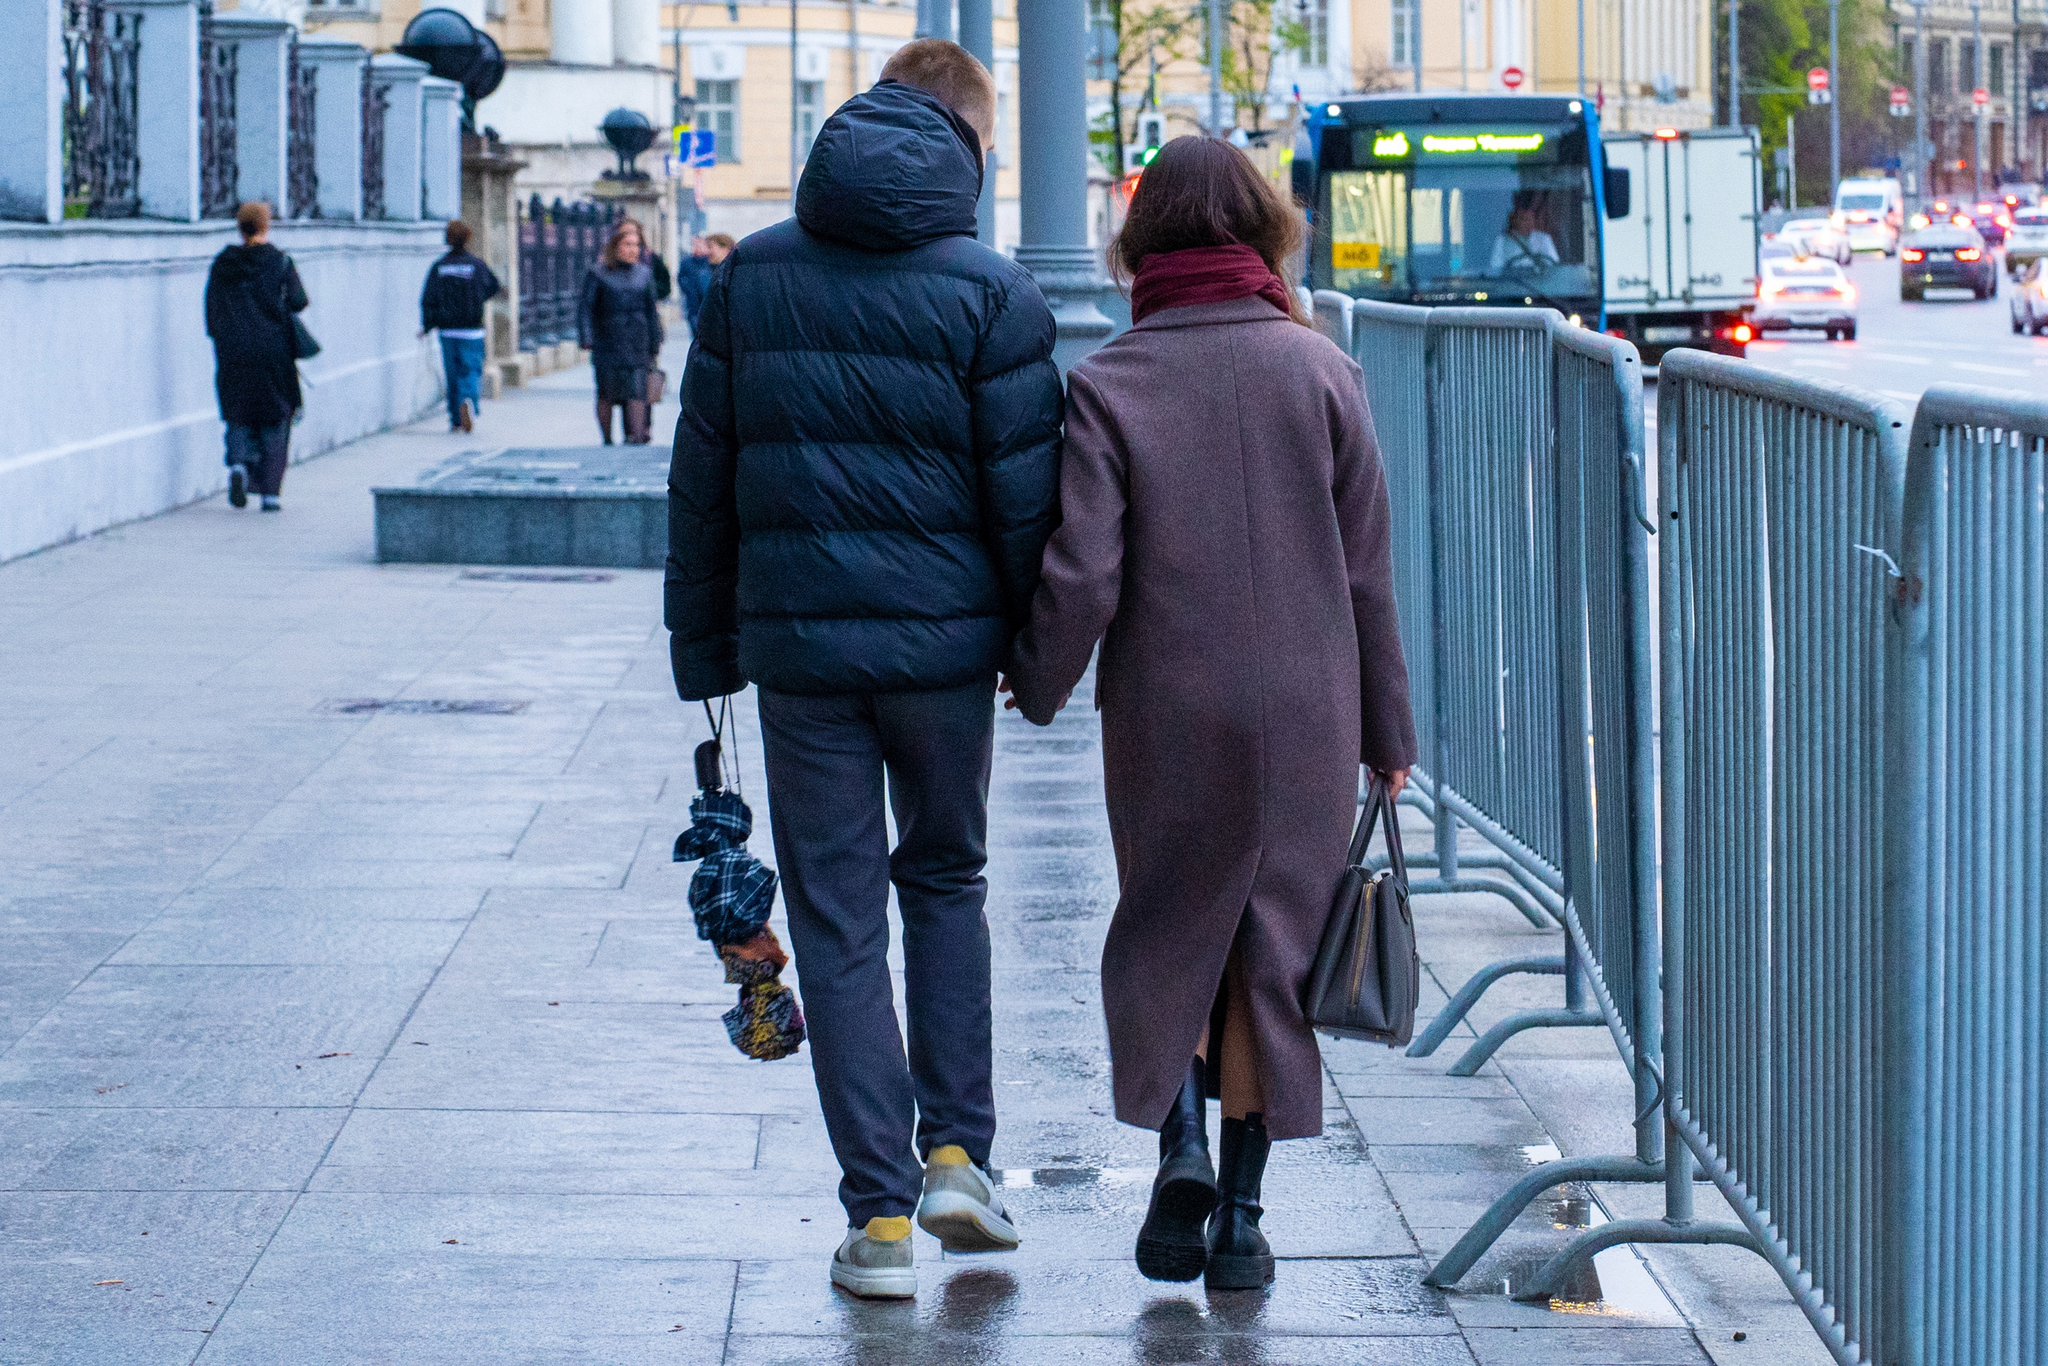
1133, 38
1781, 41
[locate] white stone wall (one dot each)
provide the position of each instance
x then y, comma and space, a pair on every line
108, 386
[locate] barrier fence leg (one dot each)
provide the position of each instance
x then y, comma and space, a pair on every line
1455, 1010
1449, 880
1504, 1211
1677, 1226
1575, 1014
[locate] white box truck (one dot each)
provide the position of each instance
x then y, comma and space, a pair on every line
1681, 265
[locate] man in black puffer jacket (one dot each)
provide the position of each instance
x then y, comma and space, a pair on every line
865, 476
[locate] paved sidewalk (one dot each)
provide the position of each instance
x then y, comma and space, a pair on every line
342, 1036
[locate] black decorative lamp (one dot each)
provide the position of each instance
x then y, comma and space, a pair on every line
630, 133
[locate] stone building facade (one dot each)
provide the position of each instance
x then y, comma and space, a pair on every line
2013, 71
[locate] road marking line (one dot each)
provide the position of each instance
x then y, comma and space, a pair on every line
1984, 369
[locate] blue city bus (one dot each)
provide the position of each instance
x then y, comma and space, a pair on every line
1461, 199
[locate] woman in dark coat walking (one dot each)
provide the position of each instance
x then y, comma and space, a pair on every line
251, 293
616, 322
1228, 541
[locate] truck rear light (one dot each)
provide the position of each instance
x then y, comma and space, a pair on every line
1665, 134
1740, 332
1968, 254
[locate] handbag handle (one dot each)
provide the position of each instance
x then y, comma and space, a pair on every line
1378, 806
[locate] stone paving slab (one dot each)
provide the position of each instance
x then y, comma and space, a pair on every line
342, 1035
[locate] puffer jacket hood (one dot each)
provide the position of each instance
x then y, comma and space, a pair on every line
893, 168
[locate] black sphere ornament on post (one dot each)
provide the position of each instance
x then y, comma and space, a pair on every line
630, 133
455, 50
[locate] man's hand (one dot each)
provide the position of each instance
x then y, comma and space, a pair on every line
1395, 781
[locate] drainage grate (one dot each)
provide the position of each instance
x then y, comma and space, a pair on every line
422, 706
535, 576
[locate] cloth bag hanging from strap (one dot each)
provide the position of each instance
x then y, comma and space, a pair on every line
1367, 972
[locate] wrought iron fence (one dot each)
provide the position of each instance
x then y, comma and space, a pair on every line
302, 173
102, 162
556, 245
219, 171
376, 100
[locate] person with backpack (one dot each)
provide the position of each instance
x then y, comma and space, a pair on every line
860, 494
252, 291
452, 303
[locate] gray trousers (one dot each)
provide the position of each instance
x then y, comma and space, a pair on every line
827, 758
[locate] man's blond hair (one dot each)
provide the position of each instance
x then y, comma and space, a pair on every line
951, 72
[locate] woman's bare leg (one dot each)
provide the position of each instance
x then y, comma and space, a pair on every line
1244, 1093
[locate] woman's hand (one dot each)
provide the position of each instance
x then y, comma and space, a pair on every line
1395, 781
1010, 700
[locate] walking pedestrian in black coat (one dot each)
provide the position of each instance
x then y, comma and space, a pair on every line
864, 480
616, 322
251, 293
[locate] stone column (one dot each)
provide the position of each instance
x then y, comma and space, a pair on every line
337, 123
583, 32
490, 205
978, 35
31, 110
636, 32
1052, 100
440, 148
403, 127
260, 107
167, 108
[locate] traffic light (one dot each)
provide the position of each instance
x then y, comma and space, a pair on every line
1151, 136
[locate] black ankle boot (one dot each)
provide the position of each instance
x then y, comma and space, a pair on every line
1170, 1245
1239, 1256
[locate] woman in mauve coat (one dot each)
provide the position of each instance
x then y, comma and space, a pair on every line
1225, 535
617, 323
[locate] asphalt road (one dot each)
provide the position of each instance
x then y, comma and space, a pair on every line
1902, 348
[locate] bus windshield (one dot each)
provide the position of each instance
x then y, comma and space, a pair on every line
1458, 222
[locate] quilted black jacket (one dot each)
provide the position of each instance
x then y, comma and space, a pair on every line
867, 466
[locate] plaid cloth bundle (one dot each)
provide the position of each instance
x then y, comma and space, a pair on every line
731, 894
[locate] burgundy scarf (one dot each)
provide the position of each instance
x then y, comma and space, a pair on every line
1204, 275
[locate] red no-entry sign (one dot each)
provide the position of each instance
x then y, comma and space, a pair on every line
1511, 77
1817, 79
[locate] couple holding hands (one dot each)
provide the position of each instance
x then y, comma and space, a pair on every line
882, 508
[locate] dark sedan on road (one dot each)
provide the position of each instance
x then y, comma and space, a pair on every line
1946, 257
1991, 218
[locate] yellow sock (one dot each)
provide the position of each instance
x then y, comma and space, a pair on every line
948, 1155
888, 1229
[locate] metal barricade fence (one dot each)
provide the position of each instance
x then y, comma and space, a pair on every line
1602, 751
1332, 314
1965, 957
1777, 498
1390, 343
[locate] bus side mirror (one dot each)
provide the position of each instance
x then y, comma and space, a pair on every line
1615, 187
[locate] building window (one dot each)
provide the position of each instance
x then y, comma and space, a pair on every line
1997, 81
1315, 31
1966, 65
344, 9
1401, 51
718, 109
1937, 65
810, 104
1905, 72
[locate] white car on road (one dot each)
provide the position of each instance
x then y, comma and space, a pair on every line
1823, 238
1810, 293
2027, 240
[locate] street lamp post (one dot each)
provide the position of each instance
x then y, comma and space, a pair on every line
1834, 97
1052, 108
978, 36
1980, 112
1918, 187
1734, 63
1217, 23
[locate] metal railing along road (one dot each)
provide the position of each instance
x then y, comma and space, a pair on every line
1393, 338
1964, 1089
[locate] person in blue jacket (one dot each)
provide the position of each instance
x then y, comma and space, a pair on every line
452, 303
861, 489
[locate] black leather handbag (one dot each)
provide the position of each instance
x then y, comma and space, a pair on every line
1367, 973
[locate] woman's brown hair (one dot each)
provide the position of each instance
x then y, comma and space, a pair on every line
1202, 192
611, 244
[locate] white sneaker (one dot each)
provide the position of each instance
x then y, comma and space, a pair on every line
960, 1207
876, 1262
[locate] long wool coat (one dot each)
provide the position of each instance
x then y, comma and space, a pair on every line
251, 293
1226, 536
